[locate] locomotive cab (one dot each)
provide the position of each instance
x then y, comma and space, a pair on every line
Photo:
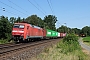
18, 32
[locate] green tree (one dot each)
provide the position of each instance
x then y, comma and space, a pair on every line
86, 30
76, 30
33, 19
18, 20
63, 29
23, 19
50, 21
5, 27
12, 20
40, 22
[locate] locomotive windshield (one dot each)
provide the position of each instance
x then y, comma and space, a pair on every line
18, 26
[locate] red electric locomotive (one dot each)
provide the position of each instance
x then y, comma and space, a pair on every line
25, 32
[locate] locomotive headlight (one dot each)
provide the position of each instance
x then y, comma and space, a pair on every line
14, 31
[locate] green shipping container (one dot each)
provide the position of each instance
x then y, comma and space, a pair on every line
54, 34
51, 33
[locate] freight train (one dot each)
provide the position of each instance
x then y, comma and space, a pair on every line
26, 32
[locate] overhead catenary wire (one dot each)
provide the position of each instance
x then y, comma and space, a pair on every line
39, 6
50, 7
36, 7
13, 8
18, 6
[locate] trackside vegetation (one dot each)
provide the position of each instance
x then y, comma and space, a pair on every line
86, 40
66, 49
4, 41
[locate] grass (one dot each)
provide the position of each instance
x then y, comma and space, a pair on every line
86, 39
66, 49
60, 52
87, 43
3, 41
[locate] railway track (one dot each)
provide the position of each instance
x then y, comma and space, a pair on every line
9, 48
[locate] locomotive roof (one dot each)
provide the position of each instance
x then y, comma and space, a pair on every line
20, 23
35, 26
30, 25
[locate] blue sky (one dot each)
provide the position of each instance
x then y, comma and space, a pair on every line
75, 13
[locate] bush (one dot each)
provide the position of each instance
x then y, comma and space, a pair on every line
3, 41
69, 44
70, 38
